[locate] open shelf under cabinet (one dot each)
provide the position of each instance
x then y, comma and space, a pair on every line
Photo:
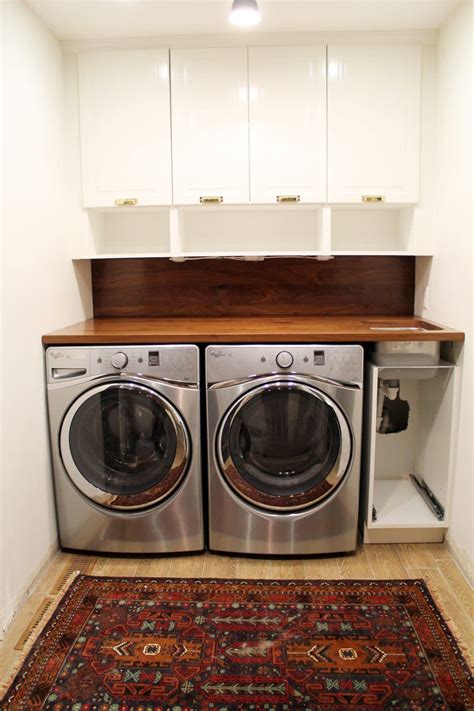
250, 232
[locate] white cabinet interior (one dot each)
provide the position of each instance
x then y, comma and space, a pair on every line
209, 102
261, 230
208, 231
121, 232
417, 441
287, 119
124, 108
280, 231
384, 229
374, 98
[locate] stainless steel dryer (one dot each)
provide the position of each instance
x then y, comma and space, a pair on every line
284, 428
125, 441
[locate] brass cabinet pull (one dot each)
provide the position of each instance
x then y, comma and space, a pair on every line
208, 199
288, 198
373, 198
125, 201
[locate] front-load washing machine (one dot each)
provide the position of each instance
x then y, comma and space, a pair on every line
125, 442
284, 428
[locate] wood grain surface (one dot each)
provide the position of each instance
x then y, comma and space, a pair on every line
274, 287
253, 329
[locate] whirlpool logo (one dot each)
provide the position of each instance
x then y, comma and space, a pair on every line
218, 353
65, 355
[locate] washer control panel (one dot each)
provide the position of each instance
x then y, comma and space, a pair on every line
179, 363
336, 362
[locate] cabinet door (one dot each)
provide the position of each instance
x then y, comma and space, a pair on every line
125, 127
287, 89
209, 98
374, 95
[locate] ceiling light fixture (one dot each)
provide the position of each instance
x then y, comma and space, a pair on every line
245, 13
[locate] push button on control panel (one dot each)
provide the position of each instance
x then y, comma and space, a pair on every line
284, 359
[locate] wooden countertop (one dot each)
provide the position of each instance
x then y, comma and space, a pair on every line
276, 329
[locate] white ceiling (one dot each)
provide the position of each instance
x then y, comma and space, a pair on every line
96, 19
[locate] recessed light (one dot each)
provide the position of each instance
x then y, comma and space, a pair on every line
245, 13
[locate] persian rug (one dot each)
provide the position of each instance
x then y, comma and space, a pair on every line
123, 644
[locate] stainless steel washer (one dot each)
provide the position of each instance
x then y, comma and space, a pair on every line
284, 429
125, 442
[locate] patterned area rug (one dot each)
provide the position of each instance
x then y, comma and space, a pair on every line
117, 644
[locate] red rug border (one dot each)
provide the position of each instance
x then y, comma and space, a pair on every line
263, 582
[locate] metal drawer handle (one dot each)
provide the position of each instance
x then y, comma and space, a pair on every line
373, 198
211, 199
125, 201
288, 198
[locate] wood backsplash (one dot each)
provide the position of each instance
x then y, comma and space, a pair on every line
225, 287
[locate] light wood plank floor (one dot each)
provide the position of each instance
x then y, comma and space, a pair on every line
433, 562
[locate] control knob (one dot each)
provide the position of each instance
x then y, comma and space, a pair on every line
284, 359
119, 360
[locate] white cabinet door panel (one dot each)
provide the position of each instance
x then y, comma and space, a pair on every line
374, 96
125, 127
209, 98
287, 91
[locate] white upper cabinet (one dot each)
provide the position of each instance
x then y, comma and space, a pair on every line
374, 96
209, 97
287, 90
125, 127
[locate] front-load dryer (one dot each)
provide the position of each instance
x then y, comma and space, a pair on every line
125, 443
284, 428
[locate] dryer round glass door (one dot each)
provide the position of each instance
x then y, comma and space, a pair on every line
124, 446
284, 446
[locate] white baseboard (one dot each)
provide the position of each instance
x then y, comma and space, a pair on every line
463, 560
7, 615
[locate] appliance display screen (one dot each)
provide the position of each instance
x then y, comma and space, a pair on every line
153, 358
319, 358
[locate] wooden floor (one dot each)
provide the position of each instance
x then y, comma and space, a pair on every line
433, 562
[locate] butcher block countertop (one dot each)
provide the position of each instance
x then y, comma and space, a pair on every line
254, 329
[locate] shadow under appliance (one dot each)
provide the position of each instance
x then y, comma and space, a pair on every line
284, 428
125, 441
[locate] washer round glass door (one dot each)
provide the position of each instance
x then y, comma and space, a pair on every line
124, 446
284, 446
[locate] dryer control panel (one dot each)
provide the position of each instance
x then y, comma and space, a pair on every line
178, 363
341, 363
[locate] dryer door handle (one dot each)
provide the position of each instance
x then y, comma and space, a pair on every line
293, 377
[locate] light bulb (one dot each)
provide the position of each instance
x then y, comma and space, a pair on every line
245, 13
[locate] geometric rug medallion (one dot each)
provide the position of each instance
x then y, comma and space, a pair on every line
145, 644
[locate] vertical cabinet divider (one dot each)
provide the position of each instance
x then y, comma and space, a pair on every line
176, 241
325, 227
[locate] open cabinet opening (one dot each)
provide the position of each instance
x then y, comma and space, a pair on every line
136, 231
410, 449
371, 229
218, 230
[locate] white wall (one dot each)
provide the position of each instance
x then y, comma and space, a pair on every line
41, 289
451, 272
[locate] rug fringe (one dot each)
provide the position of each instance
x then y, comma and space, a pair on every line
37, 626
453, 628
